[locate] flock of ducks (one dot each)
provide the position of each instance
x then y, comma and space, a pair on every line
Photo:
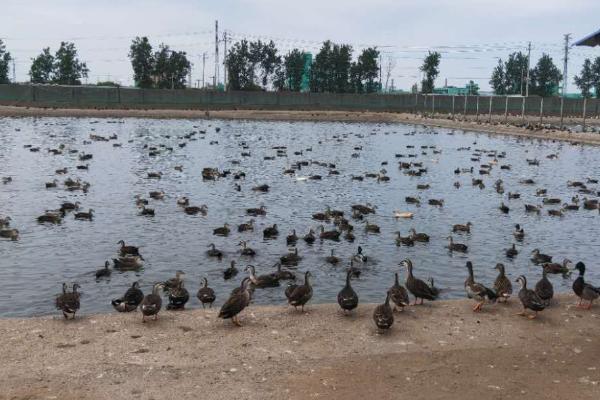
299, 294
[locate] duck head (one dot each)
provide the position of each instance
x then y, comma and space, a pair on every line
522, 280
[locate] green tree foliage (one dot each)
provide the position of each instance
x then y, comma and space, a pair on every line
498, 81
509, 77
472, 89
42, 67
252, 64
365, 71
171, 68
68, 70
4, 63
240, 67
142, 61
293, 68
431, 70
585, 80
331, 69
545, 77
596, 73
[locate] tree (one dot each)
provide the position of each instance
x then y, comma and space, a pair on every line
585, 81
240, 66
596, 74
293, 70
68, 70
171, 68
514, 71
42, 67
431, 70
332, 69
498, 81
545, 77
5, 59
142, 61
364, 72
472, 89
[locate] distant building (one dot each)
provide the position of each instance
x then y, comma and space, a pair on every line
452, 90
591, 40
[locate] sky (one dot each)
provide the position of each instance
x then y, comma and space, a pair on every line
470, 34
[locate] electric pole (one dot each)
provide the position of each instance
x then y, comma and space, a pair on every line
203, 64
528, 65
564, 89
14, 73
216, 77
225, 59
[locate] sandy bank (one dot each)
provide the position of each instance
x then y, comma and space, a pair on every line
497, 125
436, 351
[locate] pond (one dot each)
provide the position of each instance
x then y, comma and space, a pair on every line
33, 268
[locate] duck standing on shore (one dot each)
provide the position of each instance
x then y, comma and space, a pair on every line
68, 302
477, 291
347, 297
152, 302
299, 295
502, 284
529, 299
130, 300
383, 315
206, 295
399, 295
417, 287
584, 290
235, 304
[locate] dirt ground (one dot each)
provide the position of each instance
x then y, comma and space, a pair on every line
441, 350
497, 125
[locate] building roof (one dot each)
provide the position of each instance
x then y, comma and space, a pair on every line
591, 40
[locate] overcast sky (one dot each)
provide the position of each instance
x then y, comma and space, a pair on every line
470, 34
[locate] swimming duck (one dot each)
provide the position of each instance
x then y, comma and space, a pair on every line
349, 236
270, 232
222, 230
539, 258
584, 290
230, 272
412, 200
292, 238
512, 196
399, 295
102, 272
256, 211
5, 222
555, 213
235, 304
364, 209
183, 201
130, 300
532, 208
261, 188
462, 228
299, 295
85, 215
504, 208
320, 216
68, 302
128, 262
383, 314
205, 294
145, 211
544, 289
456, 246
291, 258
529, 299
248, 226
477, 291
436, 202
556, 268
261, 281
402, 214
310, 238
570, 207
371, 228
152, 303
418, 237
329, 235
214, 252
511, 252
347, 297
247, 251
53, 184
12, 234
502, 285
54, 217
332, 259
128, 250
519, 232
359, 256
404, 240
416, 286
283, 275
193, 210
157, 195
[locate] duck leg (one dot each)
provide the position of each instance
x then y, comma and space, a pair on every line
589, 305
236, 321
532, 316
522, 313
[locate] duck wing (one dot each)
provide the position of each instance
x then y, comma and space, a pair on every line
234, 305
420, 289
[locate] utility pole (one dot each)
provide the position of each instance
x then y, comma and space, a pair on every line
203, 64
216, 77
225, 58
14, 73
564, 89
528, 65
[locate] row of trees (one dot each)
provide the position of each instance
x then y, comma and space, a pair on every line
162, 69
62, 68
589, 78
5, 59
510, 77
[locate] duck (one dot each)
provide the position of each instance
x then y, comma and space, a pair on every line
53, 184
371, 228
299, 295
178, 296
183, 201
456, 246
462, 228
513, 196
418, 237
130, 300
555, 213
544, 289
270, 232
68, 302
347, 297
146, 211
310, 238
291, 258
332, 259
329, 235
230, 272
205, 294
529, 299
532, 208
436, 202
128, 262
172, 283
12, 234
194, 210
283, 275
519, 232
359, 257
383, 316
5, 222
321, 216
222, 230
399, 294
480, 293
128, 250
417, 287
403, 214
412, 200
213, 251
157, 195
349, 236
404, 240
152, 303
364, 209
53, 217
246, 251
261, 281
502, 285
556, 268
539, 258
570, 207
103, 272
236, 303
292, 238
584, 290
433, 288
248, 226
511, 252
504, 208
255, 212
85, 215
